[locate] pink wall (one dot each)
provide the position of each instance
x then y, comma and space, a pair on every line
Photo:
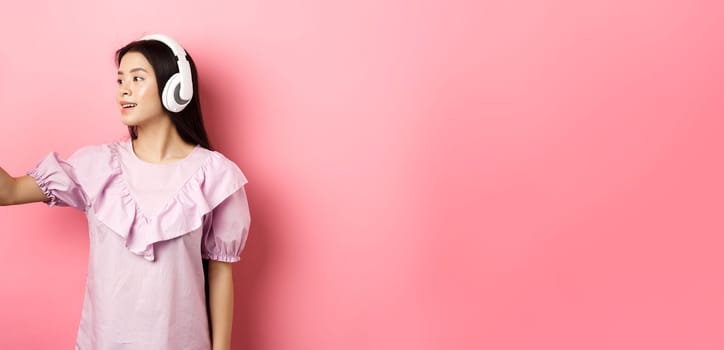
423, 174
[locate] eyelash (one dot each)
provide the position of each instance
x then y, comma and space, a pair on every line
119, 81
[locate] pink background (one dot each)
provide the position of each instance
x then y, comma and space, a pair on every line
423, 174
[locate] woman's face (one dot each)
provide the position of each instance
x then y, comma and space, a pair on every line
137, 95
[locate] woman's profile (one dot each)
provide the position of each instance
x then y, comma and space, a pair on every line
166, 213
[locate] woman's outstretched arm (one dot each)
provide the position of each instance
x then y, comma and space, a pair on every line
19, 190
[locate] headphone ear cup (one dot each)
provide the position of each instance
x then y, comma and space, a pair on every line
171, 101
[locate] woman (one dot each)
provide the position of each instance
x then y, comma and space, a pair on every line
166, 214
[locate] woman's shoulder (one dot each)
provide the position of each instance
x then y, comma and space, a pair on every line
91, 153
218, 164
107, 149
213, 163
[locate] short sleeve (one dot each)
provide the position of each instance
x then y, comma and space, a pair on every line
228, 227
57, 179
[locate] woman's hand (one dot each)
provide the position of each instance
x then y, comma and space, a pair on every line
19, 190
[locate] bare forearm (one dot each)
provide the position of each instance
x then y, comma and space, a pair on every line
19, 190
6, 184
221, 304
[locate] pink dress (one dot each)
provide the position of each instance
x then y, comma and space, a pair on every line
150, 226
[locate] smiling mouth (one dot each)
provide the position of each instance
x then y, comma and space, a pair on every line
128, 105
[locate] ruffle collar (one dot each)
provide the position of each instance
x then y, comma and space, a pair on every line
115, 207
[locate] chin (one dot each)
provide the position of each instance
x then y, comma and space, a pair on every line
136, 118
128, 120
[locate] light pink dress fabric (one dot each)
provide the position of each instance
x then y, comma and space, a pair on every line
150, 226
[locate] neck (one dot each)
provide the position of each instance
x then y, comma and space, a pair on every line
159, 142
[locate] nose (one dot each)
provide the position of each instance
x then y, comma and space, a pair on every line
123, 90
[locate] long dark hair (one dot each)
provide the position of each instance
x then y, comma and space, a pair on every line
189, 122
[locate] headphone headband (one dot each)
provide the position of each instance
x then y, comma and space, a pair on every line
178, 90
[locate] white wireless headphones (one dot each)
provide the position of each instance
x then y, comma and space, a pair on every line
179, 89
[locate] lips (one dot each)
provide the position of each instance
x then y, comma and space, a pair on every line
127, 106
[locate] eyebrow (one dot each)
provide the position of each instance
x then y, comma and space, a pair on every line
133, 70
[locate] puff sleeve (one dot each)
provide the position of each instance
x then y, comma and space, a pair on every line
227, 229
57, 178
